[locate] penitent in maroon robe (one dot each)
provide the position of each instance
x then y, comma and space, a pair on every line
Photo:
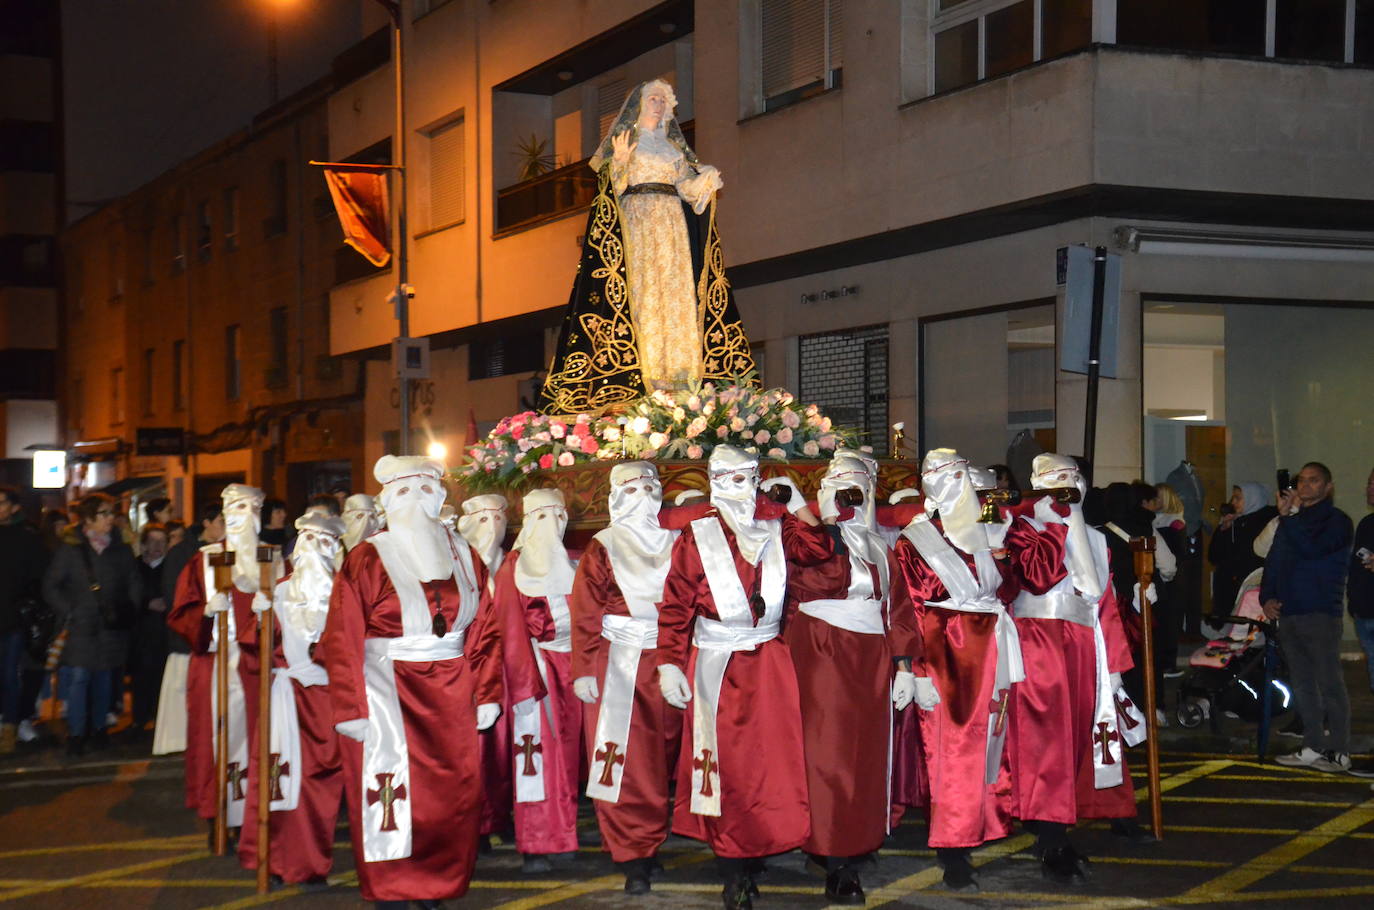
845, 680
959, 652
302, 845
636, 824
761, 770
187, 618
549, 825
1118, 801
438, 701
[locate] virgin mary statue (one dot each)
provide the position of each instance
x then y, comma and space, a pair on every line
651, 307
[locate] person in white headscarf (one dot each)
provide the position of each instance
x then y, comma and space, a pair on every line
852, 635
483, 525
414, 673
741, 783
531, 597
970, 654
615, 633
1063, 715
361, 520
306, 783
193, 616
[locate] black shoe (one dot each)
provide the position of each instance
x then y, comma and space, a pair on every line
430, 905
637, 882
314, 884
1063, 864
76, 746
483, 845
958, 869
1132, 832
563, 860
736, 894
842, 886
654, 867
535, 864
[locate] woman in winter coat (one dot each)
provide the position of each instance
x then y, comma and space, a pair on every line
93, 586
1232, 551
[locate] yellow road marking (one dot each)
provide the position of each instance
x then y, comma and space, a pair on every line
346, 879
1286, 853
910, 884
1211, 829
1334, 870
1295, 894
1228, 801
603, 883
1288, 779
60, 884
1174, 781
180, 842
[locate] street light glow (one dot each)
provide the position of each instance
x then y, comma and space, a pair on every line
438, 451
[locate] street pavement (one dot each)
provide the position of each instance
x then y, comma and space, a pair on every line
110, 831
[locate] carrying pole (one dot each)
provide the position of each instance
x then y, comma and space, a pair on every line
267, 579
1143, 553
223, 565
1095, 353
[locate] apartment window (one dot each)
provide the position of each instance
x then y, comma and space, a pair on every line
276, 371
983, 39
117, 395
1363, 44
447, 174
275, 222
204, 231
1310, 29
233, 380
522, 353
116, 271
178, 369
1219, 26
178, 243
149, 359
609, 97
802, 50
846, 374
231, 218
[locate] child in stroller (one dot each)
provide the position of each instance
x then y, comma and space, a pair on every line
1227, 675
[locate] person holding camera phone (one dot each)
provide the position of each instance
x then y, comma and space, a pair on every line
1232, 550
1359, 590
94, 587
1302, 587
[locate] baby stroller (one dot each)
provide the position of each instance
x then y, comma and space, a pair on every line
1227, 676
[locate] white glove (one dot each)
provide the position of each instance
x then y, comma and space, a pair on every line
797, 500
525, 708
1045, 513
1150, 593
674, 686
584, 687
927, 696
261, 604
353, 729
486, 715
903, 689
217, 604
1114, 680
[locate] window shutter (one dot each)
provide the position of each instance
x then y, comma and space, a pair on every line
609, 97
447, 177
794, 43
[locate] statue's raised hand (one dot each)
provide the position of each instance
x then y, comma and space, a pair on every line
622, 147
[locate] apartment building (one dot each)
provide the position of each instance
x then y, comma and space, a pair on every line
30, 194
902, 180
197, 324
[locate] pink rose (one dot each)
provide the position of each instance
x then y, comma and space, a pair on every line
736, 425
722, 431
679, 415
694, 452
694, 403
784, 436
558, 430
777, 453
827, 441
546, 461
527, 468
640, 425
543, 436
517, 431
589, 445
825, 424
584, 418
696, 427
762, 436
753, 419
611, 434
658, 440
791, 419
708, 409
582, 429
811, 450
566, 459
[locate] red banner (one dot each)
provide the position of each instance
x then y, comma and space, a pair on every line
360, 198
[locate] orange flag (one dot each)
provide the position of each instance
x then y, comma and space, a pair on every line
360, 198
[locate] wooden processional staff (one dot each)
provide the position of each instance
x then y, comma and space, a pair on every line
267, 580
1143, 554
223, 565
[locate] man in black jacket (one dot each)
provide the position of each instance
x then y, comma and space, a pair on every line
22, 561
1359, 589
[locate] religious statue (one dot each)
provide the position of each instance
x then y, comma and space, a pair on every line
651, 267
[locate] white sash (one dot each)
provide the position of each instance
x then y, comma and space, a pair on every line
630, 636
862, 616
285, 731
169, 734
236, 783
526, 732
717, 641
976, 596
386, 791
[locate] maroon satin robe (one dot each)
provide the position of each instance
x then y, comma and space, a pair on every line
498, 794
549, 826
1118, 801
761, 766
635, 826
438, 705
959, 655
187, 618
302, 839
845, 681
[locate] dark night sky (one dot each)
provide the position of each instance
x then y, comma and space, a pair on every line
151, 82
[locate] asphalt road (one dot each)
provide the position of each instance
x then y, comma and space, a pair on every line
110, 831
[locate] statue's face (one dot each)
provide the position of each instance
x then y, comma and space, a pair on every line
652, 108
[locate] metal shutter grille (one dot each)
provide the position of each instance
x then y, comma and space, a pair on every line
794, 43
846, 374
447, 177
609, 97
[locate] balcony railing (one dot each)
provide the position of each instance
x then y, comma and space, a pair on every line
547, 196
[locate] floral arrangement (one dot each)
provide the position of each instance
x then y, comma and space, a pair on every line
687, 423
